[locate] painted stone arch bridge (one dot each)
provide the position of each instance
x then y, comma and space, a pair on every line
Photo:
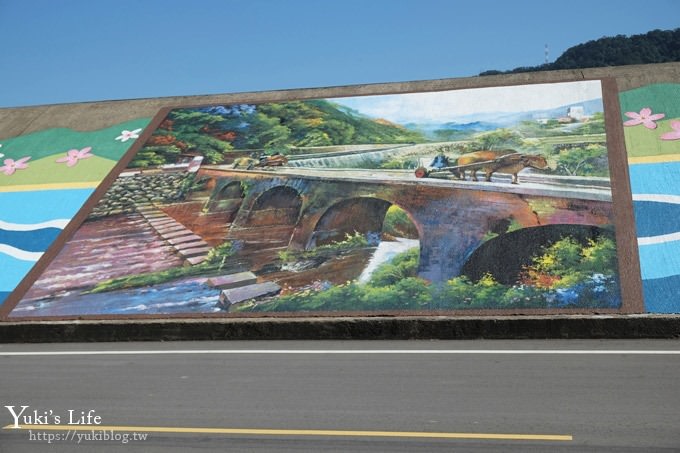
298, 209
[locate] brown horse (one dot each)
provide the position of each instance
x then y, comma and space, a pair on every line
504, 161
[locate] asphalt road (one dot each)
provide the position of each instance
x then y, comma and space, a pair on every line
478, 396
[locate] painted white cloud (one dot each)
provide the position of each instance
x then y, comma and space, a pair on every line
443, 106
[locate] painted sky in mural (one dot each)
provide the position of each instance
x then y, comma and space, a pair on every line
473, 104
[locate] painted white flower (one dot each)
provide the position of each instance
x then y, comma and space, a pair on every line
1, 155
127, 135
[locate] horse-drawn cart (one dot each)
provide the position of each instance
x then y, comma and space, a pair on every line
489, 161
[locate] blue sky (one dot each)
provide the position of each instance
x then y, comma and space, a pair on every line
89, 50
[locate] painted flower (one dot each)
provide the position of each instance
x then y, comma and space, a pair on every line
1, 155
645, 118
12, 165
675, 135
74, 155
127, 135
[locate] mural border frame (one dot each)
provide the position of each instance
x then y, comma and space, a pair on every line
623, 215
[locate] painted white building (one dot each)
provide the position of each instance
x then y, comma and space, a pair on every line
577, 112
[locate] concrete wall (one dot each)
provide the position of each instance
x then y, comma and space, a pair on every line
88, 142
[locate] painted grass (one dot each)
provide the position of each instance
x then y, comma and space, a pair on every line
47, 171
643, 142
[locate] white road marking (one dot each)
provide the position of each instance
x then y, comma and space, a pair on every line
345, 352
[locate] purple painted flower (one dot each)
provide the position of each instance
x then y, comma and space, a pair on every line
645, 118
74, 155
12, 165
675, 135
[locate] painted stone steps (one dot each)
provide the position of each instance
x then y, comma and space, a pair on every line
241, 287
94, 255
236, 296
233, 280
189, 246
213, 227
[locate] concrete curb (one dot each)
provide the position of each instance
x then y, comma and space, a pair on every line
366, 328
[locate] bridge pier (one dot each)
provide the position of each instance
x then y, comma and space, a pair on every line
453, 228
452, 218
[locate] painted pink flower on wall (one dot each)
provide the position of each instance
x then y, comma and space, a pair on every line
675, 135
127, 135
12, 165
74, 155
645, 117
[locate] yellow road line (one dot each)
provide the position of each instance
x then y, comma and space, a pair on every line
299, 432
51, 186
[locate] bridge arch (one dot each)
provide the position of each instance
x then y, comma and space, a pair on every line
505, 255
228, 198
279, 205
365, 215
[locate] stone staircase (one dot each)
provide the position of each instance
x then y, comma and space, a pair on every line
189, 246
235, 288
241, 287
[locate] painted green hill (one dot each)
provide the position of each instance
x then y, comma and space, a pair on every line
215, 131
59, 140
45, 147
660, 97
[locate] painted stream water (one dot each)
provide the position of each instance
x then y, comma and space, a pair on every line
181, 296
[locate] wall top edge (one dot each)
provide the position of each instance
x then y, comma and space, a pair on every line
15, 121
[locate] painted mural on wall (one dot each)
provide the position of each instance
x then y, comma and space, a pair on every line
651, 116
491, 198
45, 178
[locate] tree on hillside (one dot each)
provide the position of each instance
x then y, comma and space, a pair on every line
657, 46
590, 160
214, 131
654, 47
186, 130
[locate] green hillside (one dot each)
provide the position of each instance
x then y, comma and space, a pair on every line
215, 131
656, 46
